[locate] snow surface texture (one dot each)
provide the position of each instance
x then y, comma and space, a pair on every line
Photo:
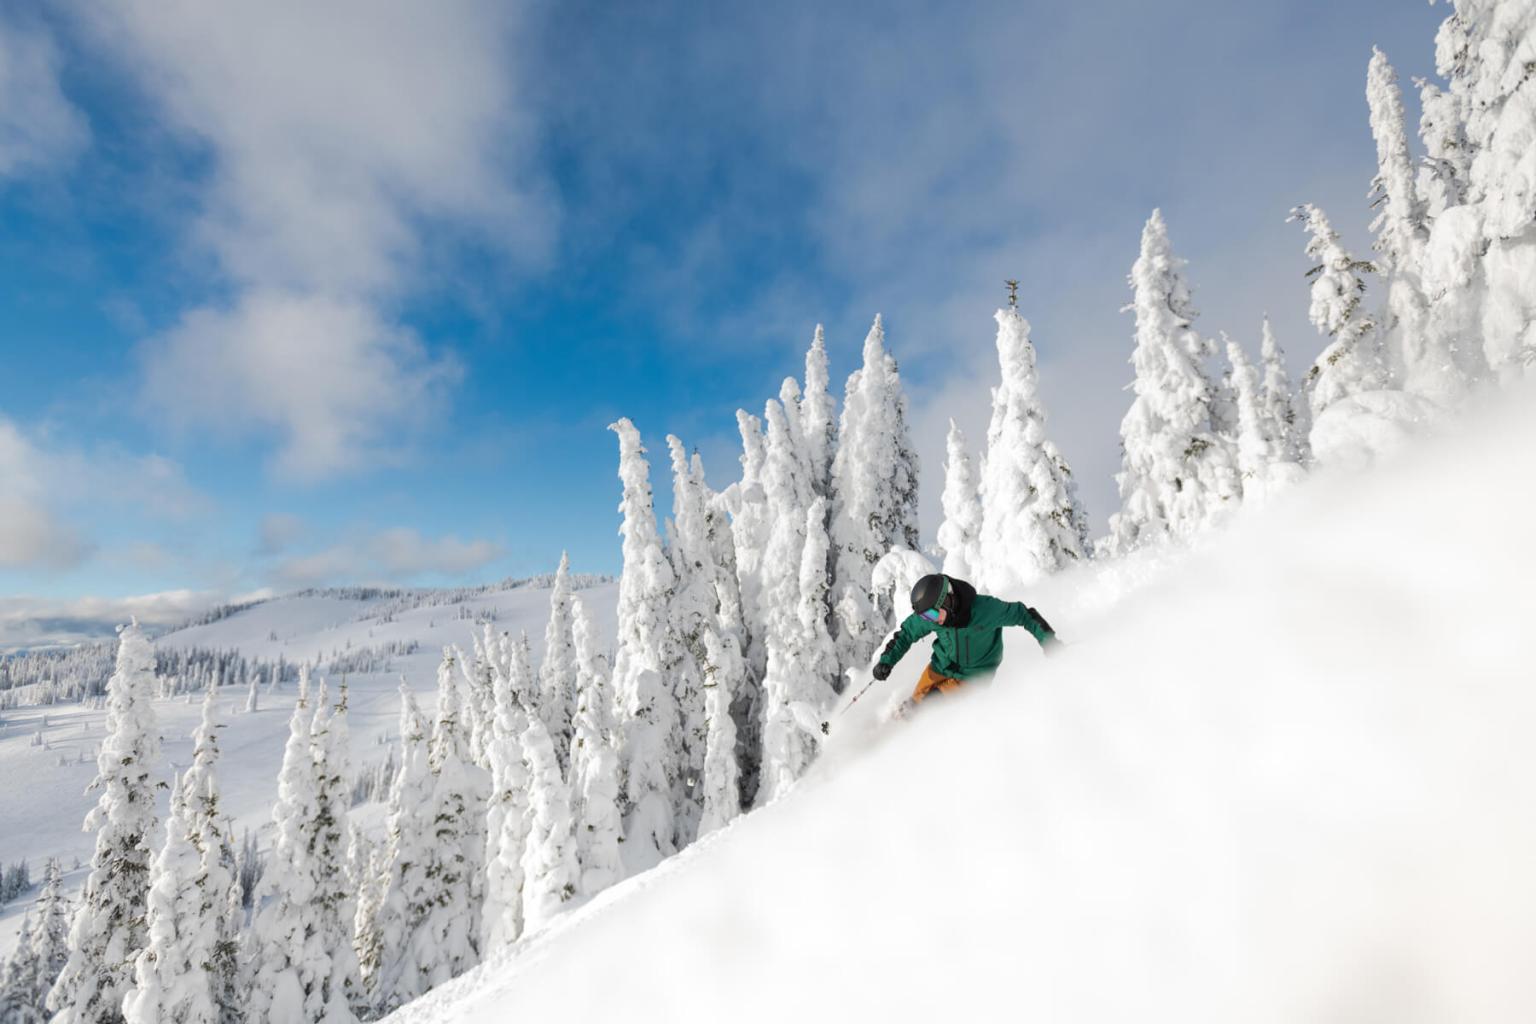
42, 818
1284, 777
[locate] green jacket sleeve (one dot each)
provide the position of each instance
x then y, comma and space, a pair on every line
913, 628
990, 613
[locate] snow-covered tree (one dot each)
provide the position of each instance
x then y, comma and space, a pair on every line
334, 985
1487, 49
750, 527
1352, 362
506, 814
42, 948
369, 876
647, 656
722, 771
551, 874
1264, 453
1285, 418
818, 416
1418, 357
1032, 523
456, 847
252, 701
19, 980
960, 533
411, 891
284, 919
706, 615
1178, 475
874, 504
1442, 178
171, 980
109, 930
557, 676
802, 661
594, 763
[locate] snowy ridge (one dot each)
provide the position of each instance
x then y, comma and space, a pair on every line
42, 819
1288, 777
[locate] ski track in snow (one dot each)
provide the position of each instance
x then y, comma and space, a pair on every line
1286, 776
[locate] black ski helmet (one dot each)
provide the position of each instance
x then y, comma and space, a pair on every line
930, 592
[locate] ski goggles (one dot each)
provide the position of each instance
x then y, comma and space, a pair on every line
932, 614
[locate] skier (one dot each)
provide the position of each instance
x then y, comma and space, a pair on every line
968, 633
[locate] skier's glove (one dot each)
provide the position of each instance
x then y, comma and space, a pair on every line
1052, 646
881, 670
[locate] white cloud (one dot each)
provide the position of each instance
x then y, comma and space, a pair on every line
388, 556
31, 533
329, 376
278, 533
46, 487
42, 622
39, 127
339, 136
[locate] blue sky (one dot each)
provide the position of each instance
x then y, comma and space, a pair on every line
296, 296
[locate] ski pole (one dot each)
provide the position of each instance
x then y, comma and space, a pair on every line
826, 726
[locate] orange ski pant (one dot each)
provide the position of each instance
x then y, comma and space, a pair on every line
931, 681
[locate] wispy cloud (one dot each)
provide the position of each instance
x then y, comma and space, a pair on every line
39, 127
46, 488
340, 136
45, 622
388, 556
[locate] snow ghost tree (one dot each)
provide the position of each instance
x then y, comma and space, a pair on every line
1285, 419
647, 656
506, 819
874, 506
410, 892
456, 848
1032, 524
960, 532
594, 763
1486, 50
750, 527
109, 927
818, 415
551, 873
1178, 474
557, 676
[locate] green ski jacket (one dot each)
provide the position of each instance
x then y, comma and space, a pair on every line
973, 646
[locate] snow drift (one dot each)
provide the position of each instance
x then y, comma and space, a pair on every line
1288, 777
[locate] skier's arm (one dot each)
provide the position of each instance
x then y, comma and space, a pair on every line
1017, 613
913, 628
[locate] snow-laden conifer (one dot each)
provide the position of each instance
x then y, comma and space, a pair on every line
874, 503
1418, 357
557, 675
1286, 419
333, 982
172, 982
1032, 523
1263, 454
818, 415
960, 533
647, 656
802, 661
750, 527
456, 847
594, 763
1487, 48
1352, 362
722, 771
41, 951
478, 672
411, 891
20, 978
284, 918
695, 610
1178, 475
1442, 177
108, 929
506, 814
551, 873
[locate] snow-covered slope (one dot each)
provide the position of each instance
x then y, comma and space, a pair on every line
1287, 777
42, 818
